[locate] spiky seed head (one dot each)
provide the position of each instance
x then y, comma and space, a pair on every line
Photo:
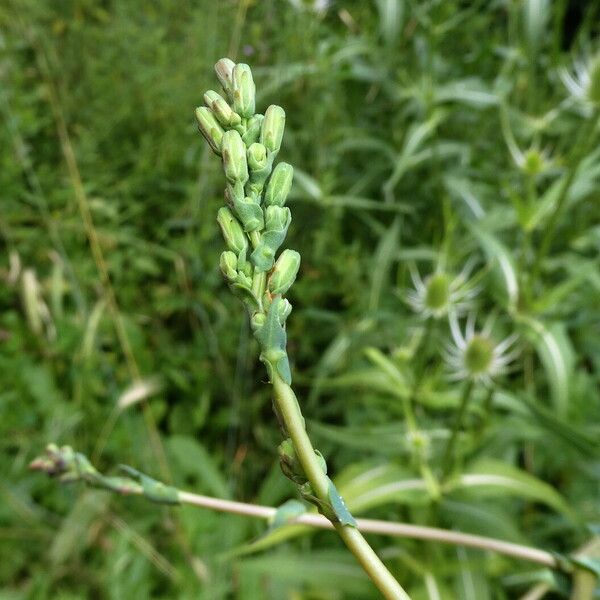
478, 355
437, 295
474, 355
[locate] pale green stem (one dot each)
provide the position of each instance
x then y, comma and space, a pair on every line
449, 458
581, 151
289, 410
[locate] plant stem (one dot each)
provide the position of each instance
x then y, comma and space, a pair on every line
419, 532
582, 149
449, 458
289, 410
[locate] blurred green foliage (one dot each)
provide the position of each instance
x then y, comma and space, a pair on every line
118, 336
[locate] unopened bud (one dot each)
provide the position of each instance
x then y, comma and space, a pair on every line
243, 90
234, 157
228, 264
209, 128
284, 309
257, 157
234, 236
224, 71
279, 184
272, 128
257, 321
284, 272
222, 111
253, 128
277, 218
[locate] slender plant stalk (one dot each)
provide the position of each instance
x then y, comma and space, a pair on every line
254, 226
69, 467
449, 458
581, 151
289, 410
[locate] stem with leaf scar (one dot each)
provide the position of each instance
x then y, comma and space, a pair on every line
68, 466
254, 226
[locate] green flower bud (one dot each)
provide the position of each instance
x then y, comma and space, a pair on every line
257, 321
257, 157
209, 128
284, 272
243, 90
272, 128
277, 218
224, 71
279, 184
234, 157
284, 309
221, 109
253, 128
228, 264
234, 236
234, 192
277, 221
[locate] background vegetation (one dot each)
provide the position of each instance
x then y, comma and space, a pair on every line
119, 337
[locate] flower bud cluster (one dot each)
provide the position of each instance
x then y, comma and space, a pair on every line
255, 221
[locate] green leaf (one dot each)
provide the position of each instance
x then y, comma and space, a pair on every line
273, 340
288, 511
503, 262
391, 14
333, 570
195, 461
397, 378
557, 356
153, 490
492, 477
339, 507
365, 486
384, 257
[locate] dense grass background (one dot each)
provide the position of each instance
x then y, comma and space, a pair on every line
400, 116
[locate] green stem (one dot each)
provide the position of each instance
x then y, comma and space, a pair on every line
289, 410
449, 458
582, 149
